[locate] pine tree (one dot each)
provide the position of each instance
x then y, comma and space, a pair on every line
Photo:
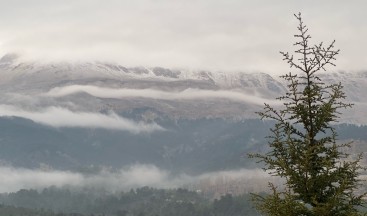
320, 176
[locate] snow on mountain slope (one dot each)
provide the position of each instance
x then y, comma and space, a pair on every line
173, 92
13, 70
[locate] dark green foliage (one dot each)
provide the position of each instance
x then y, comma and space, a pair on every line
320, 177
229, 205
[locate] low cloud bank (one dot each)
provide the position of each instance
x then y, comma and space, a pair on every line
61, 117
14, 179
187, 94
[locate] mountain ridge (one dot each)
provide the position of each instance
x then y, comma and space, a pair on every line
181, 93
11, 66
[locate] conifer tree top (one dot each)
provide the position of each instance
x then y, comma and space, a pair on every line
320, 177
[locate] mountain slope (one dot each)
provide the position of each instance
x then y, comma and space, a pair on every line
77, 115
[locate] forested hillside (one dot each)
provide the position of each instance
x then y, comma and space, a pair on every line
140, 202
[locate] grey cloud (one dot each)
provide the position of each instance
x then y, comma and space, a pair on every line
206, 34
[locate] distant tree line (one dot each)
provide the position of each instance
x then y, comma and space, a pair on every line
143, 201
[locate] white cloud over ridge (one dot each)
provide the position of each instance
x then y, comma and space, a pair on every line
61, 117
187, 94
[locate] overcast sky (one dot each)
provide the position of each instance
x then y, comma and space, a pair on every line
196, 34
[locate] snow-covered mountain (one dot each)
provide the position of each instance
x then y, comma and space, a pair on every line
77, 115
100, 86
13, 70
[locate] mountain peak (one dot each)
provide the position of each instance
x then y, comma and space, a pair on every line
9, 58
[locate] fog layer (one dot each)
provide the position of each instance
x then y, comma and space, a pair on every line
187, 94
12, 179
61, 117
